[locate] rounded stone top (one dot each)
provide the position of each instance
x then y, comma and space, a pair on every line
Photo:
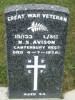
36, 7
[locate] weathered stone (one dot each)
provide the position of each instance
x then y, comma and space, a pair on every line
36, 41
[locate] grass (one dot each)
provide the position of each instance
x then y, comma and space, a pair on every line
69, 69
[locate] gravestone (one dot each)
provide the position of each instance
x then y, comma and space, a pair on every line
36, 40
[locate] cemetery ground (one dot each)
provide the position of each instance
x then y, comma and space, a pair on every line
69, 68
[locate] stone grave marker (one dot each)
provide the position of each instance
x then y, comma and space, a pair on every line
35, 40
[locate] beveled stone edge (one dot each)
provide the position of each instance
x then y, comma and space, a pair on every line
37, 7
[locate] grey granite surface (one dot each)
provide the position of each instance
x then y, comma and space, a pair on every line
46, 23
37, 7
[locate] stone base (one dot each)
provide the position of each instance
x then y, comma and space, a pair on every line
4, 95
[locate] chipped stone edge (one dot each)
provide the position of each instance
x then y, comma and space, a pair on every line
37, 7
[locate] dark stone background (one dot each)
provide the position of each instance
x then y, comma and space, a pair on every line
20, 81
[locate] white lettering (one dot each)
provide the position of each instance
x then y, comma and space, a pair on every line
16, 17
